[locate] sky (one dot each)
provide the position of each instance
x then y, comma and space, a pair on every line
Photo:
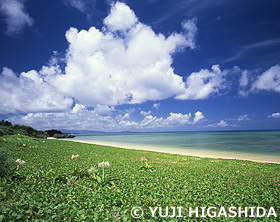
150, 65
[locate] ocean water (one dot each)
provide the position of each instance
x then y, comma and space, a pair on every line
254, 142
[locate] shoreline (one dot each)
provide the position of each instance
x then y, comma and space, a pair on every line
190, 152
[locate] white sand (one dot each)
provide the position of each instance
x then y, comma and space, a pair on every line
191, 152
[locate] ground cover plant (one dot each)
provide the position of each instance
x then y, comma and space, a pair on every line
68, 181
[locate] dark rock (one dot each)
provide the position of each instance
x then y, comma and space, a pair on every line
61, 136
41, 136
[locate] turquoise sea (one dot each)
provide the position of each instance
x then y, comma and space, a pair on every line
262, 143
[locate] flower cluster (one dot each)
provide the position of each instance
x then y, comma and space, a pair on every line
104, 164
20, 162
75, 156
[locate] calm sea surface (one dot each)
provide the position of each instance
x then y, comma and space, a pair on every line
257, 142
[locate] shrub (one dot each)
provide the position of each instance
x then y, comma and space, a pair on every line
6, 165
5, 123
53, 132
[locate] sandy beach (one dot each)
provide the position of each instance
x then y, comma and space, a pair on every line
191, 152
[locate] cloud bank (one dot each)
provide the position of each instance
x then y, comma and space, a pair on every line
124, 62
106, 119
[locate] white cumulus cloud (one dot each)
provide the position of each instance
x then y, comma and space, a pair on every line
243, 117
29, 93
198, 116
156, 106
244, 83
222, 123
274, 115
103, 67
16, 17
121, 18
269, 80
253, 81
244, 78
200, 85
144, 113
104, 110
78, 108
179, 118
191, 31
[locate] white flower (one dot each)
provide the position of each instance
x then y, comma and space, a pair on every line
20, 162
144, 159
91, 170
75, 156
104, 164
72, 179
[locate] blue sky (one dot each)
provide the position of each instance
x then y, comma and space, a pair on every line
151, 65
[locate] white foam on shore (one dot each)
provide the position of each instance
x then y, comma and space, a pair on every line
190, 152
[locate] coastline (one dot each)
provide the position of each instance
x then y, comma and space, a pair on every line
189, 152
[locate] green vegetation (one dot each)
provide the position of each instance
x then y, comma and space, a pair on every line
54, 184
7, 128
53, 132
6, 164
